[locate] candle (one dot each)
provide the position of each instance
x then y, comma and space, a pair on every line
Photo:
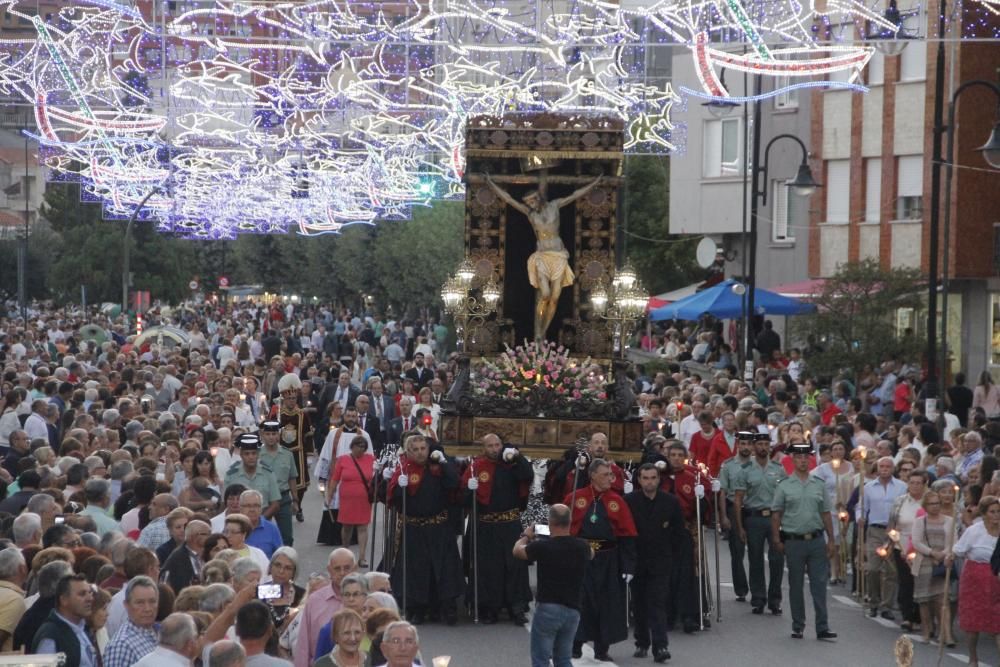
835, 463
442, 661
882, 552
213, 451
843, 515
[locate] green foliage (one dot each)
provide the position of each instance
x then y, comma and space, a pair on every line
663, 262
854, 323
42, 243
92, 250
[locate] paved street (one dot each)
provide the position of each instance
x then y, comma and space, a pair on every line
740, 639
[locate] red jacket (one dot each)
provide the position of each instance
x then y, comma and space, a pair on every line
701, 445
719, 453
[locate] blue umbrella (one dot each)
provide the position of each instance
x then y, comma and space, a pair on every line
722, 302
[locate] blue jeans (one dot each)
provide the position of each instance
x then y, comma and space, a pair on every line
553, 627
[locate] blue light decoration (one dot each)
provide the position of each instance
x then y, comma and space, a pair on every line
268, 117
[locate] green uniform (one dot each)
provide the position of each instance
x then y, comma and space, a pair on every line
728, 473
263, 481
282, 464
803, 504
757, 484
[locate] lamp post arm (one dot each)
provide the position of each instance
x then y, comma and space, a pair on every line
762, 192
126, 250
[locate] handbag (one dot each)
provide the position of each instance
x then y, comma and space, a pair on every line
368, 482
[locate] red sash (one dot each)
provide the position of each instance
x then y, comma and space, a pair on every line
485, 469
618, 512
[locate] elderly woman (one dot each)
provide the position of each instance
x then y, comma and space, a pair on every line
353, 592
933, 534
901, 521
282, 570
979, 589
348, 630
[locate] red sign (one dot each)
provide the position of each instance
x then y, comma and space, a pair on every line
223, 282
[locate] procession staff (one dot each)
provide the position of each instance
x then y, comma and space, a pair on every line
296, 431
429, 576
754, 486
499, 481
680, 479
659, 523
573, 471
282, 463
602, 517
729, 473
800, 515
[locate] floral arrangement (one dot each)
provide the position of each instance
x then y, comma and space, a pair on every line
517, 372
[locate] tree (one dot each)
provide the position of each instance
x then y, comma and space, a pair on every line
663, 262
853, 324
43, 243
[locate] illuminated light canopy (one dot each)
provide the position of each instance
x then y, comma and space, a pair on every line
308, 116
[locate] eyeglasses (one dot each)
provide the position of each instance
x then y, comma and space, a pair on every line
353, 594
399, 641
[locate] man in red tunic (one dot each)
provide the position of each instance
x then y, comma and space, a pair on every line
597, 448
724, 444
602, 517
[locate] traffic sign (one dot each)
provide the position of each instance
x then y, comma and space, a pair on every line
223, 282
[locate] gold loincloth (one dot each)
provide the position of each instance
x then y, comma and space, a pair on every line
550, 265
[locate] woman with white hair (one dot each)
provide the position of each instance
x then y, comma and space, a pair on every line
282, 569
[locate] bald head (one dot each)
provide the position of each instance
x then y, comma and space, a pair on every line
162, 505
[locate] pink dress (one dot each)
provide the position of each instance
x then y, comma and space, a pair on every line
355, 510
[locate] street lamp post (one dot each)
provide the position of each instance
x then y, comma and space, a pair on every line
991, 154
126, 254
621, 305
803, 185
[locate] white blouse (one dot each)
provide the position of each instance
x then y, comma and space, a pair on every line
976, 544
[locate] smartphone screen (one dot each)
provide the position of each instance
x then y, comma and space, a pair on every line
268, 591
59, 519
542, 529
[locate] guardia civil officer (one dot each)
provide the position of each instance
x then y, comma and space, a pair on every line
754, 493
800, 516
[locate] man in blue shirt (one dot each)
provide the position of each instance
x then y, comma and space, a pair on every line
265, 534
873, 512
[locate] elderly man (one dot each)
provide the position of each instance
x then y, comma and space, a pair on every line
263, 533
156, 531
27, 530
98, 495
873, 515
400, 644
45, 507
49, 577
575, 469
227, 653
178, 643
972, 455
64, 631
137, 637
139, 562
13, 572
183, 567
177, 522
20, 447
321, 605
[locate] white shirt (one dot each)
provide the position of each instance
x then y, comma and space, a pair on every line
163, 657
36, 427
689, 426
116, 612
223, 460
976, 544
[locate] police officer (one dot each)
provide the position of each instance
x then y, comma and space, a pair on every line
254, 475
728, 474
281, 461
800, 515
754, 488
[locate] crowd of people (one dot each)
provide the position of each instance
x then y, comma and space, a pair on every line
152, 492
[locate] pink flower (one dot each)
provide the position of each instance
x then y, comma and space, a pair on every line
577, 394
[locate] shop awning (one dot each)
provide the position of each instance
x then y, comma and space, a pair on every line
666, 298
803, 289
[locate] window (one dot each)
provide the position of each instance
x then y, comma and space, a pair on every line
913, 61
873, 190
910, 187
723, 156
781, 214
838, 191
785, 99
876, 69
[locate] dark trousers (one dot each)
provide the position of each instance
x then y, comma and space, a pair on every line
737, 550
650, 596
904, 591
758, 530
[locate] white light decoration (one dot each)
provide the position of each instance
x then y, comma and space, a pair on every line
308, 116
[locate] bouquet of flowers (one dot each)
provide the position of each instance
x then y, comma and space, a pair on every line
532, 366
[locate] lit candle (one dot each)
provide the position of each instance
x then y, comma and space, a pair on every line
910, 557
322, 486
894, 535
213, 451
835, 463
442, 661
843, 515
882, 552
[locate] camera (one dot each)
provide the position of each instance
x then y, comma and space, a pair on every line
269, 591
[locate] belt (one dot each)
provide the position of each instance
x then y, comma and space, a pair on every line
500, 517
602, 545
794, 536
286, 492
427, 520
750, 512
878, 525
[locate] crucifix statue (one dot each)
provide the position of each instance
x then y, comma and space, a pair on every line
548, 266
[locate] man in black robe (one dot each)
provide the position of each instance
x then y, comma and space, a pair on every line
498, 481
659, 522
603, 518
428, 559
